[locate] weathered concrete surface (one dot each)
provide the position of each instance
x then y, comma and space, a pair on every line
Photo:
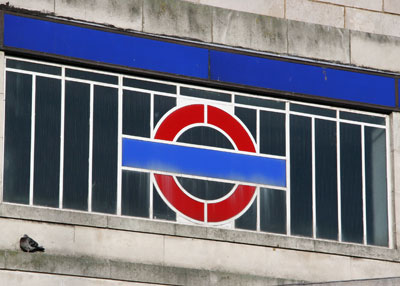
369, 282
248, 30
375, 51
46, 6
177, 18
395, 154
364, 4
392, 6
319, 42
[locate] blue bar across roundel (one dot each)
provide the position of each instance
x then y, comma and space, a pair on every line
203, 162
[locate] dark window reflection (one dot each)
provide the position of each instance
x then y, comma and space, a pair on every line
135, 193
248, 220
262, 102
160, 209
204, 189
162, 104
207, 94
205, 136
34, 67
249, 118
273, 210
136, 114
144, 84
272, 133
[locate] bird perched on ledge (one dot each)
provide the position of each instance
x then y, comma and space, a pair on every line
27, 244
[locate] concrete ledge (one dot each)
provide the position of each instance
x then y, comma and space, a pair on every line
66, 217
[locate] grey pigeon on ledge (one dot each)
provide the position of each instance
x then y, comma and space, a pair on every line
27, 244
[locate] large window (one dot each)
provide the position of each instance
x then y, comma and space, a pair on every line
101, 142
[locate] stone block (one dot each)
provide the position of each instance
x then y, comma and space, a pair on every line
177, 18
372, 22
141, 225
392, 6
2, 67
314, 12
365, 4
122, 14
318, 41
375, 51
251, 31
369, 269
46, 6
274, 8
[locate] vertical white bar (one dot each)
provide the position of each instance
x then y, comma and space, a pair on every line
258, 130
151, 195
314, 205
119, 171
258, 190
61, 190
363, 184
90, 147
287, 123
205, 213
151, 115
3, 119
389, 187
32, 139
339, 188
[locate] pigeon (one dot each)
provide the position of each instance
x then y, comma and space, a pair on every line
27, 244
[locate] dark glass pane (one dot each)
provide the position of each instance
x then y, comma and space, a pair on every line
259, 102
273, 210
272, 133
326, 179
17, 138
375, 186
91, 76
362, 118
135, 193
351, 183
156, 86
105, 149
160, 209
76, 145
300, 176
205, 136
248, 220
312, 110
136, 113
249, 118
162, 104
203, 189
46, 179
207, 94
34, 67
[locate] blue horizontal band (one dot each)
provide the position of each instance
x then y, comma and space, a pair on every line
179, 59
203, 162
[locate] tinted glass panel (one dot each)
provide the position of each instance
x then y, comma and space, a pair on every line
34, 67
76, 145
259, 102
207, 136
160, 208
272, 133
375, 189
249, 118
326, 179
17, 138
162, 104
203, 189
205, 94
136, 113
105, 149
135, 193
362, 117
47, 142
91, 76
312, 110
273, 210
351, 183
248, 220
156, 86
300, 175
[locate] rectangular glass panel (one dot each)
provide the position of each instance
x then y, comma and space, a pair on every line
362, 118
135, 193
207, 94
162, 104
34, 67
300, 176
92, 76
272, 133
375, 186
160, 209
46, 180
248, 220
249, 118
273, 210
312, 110
151, 85
105, 149
326, 179
261, 102
351, 183
136, 113
17, 144
76, 145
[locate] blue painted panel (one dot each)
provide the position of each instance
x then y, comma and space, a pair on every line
203, 162
112, 48
300, 78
